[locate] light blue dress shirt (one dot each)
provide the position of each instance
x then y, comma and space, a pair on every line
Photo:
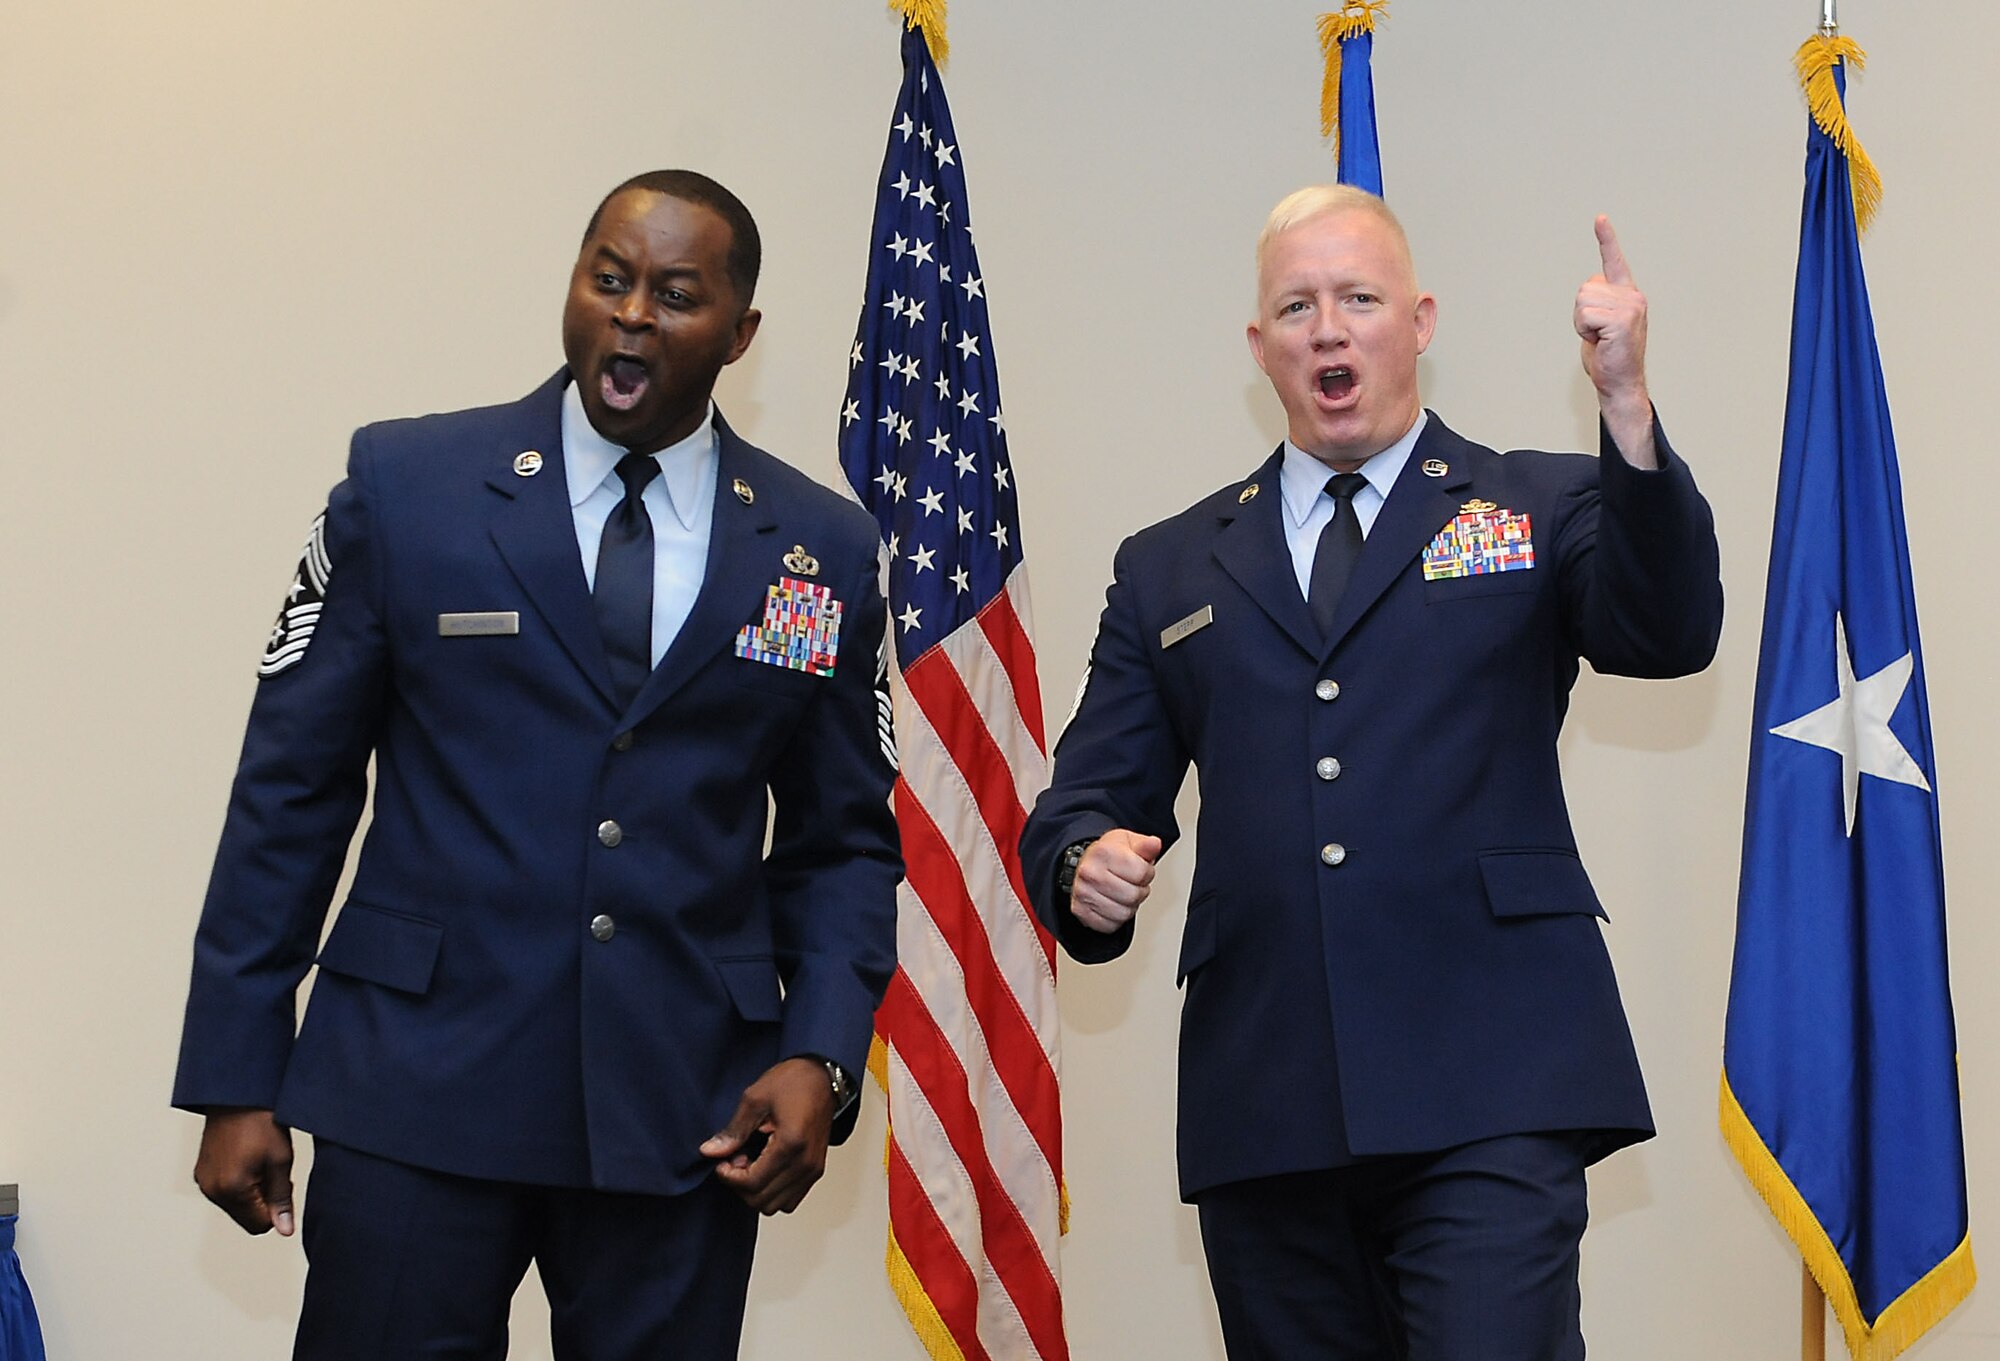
680, 502
1308, 507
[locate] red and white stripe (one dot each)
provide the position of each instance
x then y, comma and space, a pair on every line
970, 1024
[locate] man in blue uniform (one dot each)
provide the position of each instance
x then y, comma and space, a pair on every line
1401, 1041
573, 1011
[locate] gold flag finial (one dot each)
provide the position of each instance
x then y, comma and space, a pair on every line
1815, 61
1354, 17
927, 15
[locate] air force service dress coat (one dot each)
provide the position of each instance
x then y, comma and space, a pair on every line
566, 950
1391, 943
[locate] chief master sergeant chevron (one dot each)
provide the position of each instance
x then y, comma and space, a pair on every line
1401, 1042
574, 1011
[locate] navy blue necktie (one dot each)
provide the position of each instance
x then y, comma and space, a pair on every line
1339, 546
623, 592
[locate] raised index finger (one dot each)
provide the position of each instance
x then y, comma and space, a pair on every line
1616, 271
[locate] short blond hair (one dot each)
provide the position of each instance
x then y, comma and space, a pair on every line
1325, 200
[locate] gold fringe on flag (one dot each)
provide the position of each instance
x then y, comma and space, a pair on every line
928, 1325
1910, 1315
929, 16
1354, 17
1815, 61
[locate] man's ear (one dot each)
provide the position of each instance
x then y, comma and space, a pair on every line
1427, 320
746, 331
1256, 339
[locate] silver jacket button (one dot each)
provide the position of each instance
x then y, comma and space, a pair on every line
610, 833
1332, 853
602, 927
1327, 768
1327, 689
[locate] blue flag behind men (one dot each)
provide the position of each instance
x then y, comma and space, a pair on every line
1360, 159
1347, 99
1840, 1088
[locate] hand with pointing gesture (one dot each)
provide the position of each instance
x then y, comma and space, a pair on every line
1611, 318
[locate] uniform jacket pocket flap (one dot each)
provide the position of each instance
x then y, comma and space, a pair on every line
1198, 936
383, 947
753, 986
1538, 883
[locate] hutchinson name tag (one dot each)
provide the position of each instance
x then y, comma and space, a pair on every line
1194, 623
490, 624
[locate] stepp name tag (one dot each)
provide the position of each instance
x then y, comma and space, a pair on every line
490, 624
1194, 623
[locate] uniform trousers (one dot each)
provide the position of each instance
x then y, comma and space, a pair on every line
1469, 1254
405, 1263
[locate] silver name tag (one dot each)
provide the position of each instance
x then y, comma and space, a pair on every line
492, 624
1194, 623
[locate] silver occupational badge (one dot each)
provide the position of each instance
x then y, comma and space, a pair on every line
527, 464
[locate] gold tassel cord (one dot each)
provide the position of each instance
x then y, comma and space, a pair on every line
1353, 18
927, 15
1908, 1317
1815, 61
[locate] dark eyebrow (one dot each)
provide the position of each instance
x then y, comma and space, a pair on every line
606, 253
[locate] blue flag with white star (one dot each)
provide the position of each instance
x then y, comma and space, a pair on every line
1840, 1086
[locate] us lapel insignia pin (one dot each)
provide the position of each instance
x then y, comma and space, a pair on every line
802, 562
1173, 633
527, 463
1249, 493
1477, 507
743, 492
1436, 467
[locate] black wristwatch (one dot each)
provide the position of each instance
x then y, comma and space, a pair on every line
1072, 856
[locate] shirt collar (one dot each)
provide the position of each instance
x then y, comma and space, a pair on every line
1303, 477
588, 459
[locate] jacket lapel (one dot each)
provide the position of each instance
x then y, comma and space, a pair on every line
744, 560
1251, 548
536, 533
1418, 506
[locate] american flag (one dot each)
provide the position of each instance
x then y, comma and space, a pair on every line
969, 1028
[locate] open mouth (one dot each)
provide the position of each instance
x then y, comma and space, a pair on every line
624, 382
1336, 384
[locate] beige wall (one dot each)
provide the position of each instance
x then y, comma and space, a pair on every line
231, 231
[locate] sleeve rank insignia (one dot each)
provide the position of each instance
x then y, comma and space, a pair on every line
299, 615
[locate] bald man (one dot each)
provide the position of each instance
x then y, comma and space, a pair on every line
1401, 1042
